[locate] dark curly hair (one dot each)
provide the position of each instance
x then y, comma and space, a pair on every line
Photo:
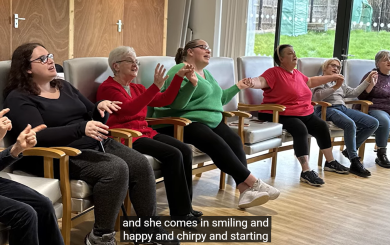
18, 77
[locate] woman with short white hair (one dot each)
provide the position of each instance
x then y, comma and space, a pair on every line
174, 155
378, 92
357, 125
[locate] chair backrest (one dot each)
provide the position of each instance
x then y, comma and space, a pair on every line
222, 69
311, 66
354, 70
86, 74
148, 65
5, 67
252, 66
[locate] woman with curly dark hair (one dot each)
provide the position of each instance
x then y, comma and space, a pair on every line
36, 98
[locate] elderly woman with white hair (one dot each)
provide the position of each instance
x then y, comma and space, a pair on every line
357, 125
378, 92
174, 155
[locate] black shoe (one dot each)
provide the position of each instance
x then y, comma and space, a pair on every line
345, 153
188, 217
335, 166
381, 159
196, 213
358, 168
311, 178
154, 231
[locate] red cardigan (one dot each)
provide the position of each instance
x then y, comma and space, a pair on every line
134, 108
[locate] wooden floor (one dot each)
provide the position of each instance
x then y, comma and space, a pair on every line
346, 210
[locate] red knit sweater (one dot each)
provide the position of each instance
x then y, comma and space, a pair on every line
134, 108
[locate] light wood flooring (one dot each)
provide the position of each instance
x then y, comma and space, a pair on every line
347, 210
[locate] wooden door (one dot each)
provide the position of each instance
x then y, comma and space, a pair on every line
145, 26
95, 29
5, 30
46, 22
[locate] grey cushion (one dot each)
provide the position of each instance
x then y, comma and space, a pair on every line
311, 66
47, 187
354, 70
262, 146
259, 131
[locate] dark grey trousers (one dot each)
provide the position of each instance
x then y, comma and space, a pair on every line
111, 174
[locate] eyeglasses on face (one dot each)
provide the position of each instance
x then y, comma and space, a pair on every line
134, 62
204, 47
335, 66
43, 59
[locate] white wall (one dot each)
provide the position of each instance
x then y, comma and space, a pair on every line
205, 22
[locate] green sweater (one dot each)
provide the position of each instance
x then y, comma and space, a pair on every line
202, 103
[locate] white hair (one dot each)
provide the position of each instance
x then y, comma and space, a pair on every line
118, 54
380, 55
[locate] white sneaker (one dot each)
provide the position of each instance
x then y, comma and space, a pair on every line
252, 197
264, 187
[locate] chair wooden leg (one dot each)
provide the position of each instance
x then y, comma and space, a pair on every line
128, 211
222, 181
342, 146
66, 226
361, 151
199, 166
118, 221
320, 157
66, 199
274, 161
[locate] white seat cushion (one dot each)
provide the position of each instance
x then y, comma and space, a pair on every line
258, 131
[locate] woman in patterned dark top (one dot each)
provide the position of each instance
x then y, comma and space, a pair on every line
379, 94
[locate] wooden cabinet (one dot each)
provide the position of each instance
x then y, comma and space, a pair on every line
84, 28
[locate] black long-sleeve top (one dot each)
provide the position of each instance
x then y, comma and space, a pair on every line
65, 117
7, 159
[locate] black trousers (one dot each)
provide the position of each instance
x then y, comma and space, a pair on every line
300, 128
176, 163
30, 215
222, 144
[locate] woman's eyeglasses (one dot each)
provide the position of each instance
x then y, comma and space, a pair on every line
43, 59
336, 66
204, 47
136, 62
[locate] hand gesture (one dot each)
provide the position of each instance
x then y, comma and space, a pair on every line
26, 139
184, 70
372, 78
159, 78
108, 106
244, 83
96, 130
5, 123
191, 76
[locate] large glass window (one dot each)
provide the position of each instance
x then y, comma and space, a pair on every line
309, 25
370, 28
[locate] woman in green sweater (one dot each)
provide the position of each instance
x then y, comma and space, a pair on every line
202, 104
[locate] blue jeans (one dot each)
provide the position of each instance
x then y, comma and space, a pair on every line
382, 133
357, 126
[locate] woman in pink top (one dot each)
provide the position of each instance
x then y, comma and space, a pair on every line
287, 86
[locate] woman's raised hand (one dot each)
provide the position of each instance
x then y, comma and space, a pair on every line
26, 139
5, 123
96, 130
245, 83
108, 106
191, 75
159, 78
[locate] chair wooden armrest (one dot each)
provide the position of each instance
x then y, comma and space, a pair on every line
177, 118
364, 104
123, 133
324, 105
313, 103
72, 152
270, 107
241, 114
172, 121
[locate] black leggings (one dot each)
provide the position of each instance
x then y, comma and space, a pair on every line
221, 144
300, 128
176, 164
